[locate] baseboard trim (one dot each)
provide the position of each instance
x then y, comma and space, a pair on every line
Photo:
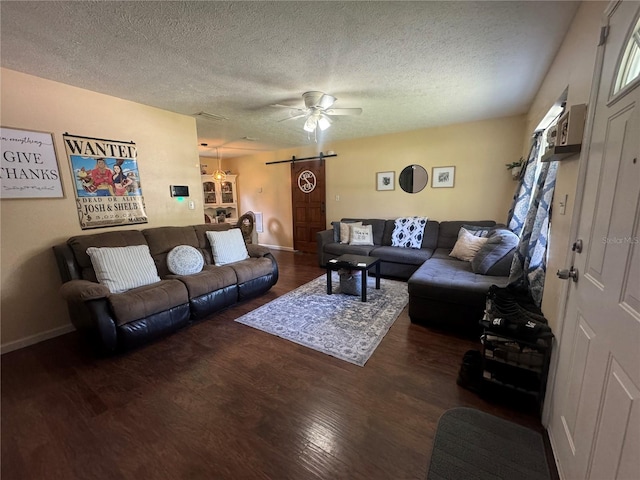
278, 247
33, 339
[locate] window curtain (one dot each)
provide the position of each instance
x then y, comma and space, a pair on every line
522, 198
530, 260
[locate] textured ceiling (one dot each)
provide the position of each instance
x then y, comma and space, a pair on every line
408, 65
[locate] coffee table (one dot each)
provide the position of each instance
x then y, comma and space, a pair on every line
354, 262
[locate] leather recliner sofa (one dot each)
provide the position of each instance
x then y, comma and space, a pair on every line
120, 321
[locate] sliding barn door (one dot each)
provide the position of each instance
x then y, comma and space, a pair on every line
308, 197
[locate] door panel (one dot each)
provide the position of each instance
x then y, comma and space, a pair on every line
620, 400
610, 167
581, 343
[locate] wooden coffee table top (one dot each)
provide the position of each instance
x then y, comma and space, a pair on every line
352, 261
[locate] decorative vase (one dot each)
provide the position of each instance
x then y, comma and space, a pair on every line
515, 172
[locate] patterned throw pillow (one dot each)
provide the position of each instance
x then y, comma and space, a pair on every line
123, 268
467, 245
185, 260
227, 246
361, 235
408, 232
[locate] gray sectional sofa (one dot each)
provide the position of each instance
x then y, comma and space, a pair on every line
119, 321
444, 292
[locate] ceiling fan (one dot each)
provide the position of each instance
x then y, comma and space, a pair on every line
317, 111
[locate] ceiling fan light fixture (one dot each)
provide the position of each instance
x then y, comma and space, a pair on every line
311, 123
324, 122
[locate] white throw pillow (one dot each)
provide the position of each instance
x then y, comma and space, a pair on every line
227, 246
361, 235
185, 260
467, 245
345, 230
123, 268
408, 232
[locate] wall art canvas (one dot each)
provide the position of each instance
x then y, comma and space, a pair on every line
106, 181
29, 165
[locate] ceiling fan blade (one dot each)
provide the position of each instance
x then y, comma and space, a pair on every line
299, 115
279, 105
343, 111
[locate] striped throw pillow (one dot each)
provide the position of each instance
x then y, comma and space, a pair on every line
227, 246
123, 268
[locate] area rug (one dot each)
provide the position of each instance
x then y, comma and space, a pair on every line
473, 445
339, 324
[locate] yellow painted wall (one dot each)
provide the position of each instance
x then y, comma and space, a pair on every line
573, 68
31, 308
479, 151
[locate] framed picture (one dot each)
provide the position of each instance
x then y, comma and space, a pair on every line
443, 177
29, 165
563, 129
386, 181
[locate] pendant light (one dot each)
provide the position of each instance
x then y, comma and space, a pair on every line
219, 174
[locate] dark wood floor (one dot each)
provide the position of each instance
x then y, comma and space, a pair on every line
221, 400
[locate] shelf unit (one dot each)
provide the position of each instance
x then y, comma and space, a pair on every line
569, 132
220, 197
517, 364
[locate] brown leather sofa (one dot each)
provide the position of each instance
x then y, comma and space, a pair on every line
125, 320
444, 292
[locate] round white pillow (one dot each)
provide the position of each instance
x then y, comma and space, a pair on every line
185, 260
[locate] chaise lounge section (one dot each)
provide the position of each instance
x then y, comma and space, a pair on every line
124, 320
444, 292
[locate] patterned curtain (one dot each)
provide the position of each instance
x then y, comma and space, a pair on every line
522, 197
530, 261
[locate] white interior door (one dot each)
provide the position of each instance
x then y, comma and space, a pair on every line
594, 411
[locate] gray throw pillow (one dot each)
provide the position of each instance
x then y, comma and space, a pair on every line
336, 231
495, 256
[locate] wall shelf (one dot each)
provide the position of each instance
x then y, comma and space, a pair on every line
560, 152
